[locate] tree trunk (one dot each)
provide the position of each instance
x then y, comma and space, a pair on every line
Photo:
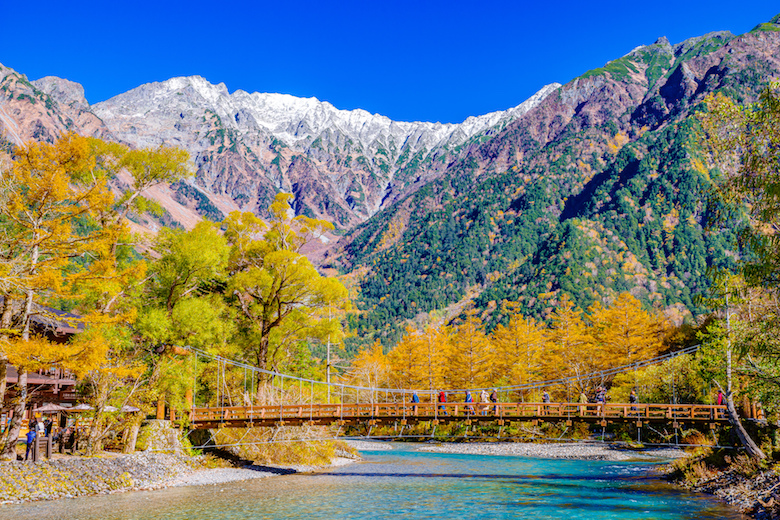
5, 323
3, 380
9, 450
751, 447
97, 431
132, 438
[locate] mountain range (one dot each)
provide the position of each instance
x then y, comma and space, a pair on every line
590, 188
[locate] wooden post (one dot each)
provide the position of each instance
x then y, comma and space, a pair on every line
36, 449
161, 407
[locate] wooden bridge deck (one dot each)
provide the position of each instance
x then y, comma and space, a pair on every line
473, 413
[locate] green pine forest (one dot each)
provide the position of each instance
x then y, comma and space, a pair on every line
605, 207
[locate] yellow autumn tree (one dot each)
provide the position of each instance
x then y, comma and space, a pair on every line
106, 283
468, 355
625, 333
370, 369
283, 299
114, 376
407, 362
418, 360
569, 350
46, 190
518, 349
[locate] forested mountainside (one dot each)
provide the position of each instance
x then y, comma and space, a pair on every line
599, 189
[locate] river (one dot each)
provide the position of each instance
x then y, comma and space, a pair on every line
405, 483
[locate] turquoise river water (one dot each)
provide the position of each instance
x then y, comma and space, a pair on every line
404, 483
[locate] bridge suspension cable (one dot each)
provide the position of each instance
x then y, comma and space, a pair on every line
601, 374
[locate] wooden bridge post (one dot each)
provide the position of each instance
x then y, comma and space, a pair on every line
161, 407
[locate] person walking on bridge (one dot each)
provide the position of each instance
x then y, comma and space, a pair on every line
546, 400
494, 399
583, 400
415, 401
484, 398
469, 399
601, 400
442, 399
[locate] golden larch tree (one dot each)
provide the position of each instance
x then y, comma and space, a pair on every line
624, 332
518, 349
468, 355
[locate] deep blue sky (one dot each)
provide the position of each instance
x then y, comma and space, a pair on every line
408, 60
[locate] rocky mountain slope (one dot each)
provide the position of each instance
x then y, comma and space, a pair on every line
340, 165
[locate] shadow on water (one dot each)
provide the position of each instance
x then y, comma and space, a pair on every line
269, 469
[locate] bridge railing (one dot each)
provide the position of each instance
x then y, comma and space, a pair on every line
428, 410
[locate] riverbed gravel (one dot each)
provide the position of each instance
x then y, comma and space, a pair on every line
578, 451
370, 446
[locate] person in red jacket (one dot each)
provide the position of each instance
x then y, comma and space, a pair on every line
443, 399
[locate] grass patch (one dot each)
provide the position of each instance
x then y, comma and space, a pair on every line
283, 447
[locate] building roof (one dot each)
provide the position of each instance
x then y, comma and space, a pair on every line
34, 378
58, 325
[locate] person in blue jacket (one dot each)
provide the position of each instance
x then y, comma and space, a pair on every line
30, 440
469, 399
415, 401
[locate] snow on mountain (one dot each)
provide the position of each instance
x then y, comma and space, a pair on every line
136, 115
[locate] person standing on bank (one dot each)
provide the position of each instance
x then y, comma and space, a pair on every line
31, 436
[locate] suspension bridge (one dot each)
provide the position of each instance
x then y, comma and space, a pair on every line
296, 403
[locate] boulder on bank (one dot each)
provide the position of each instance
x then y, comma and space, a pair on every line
161, 436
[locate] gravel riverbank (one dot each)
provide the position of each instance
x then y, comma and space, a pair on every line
75, 476
578, 450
